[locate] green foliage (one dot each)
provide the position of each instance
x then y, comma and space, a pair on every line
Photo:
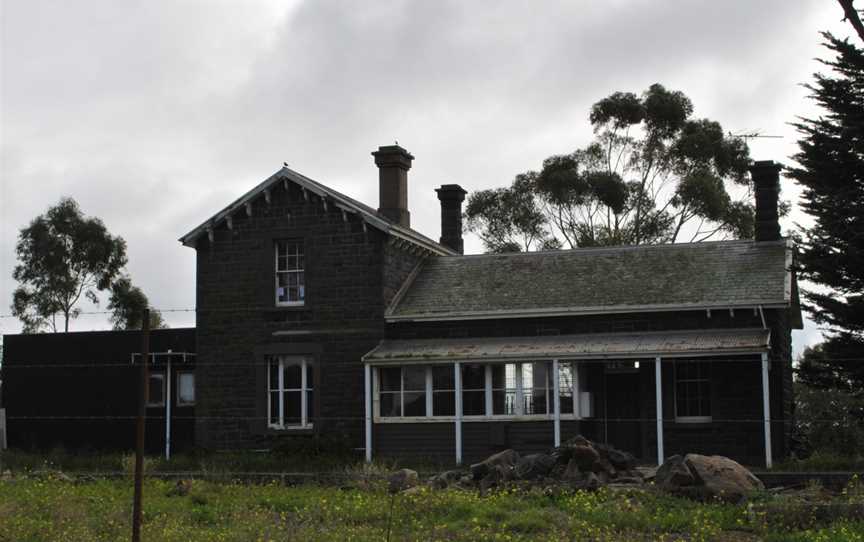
508, 219
831, 419
127, 303
651, 170
62, 256
39, 509
831, 172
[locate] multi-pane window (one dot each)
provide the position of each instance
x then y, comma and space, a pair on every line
504, 389
473, 390
290, 275
185, 388
156, 390
290, 392
402, 391
443, 391
693, 391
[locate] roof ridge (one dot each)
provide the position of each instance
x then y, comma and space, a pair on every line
623, 248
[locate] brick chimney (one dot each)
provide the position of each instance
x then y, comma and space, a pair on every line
451, 196
393, 164
766, 183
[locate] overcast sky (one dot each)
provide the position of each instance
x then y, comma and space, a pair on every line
154, 115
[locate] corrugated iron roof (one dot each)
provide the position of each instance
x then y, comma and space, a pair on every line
584, 346
721, 274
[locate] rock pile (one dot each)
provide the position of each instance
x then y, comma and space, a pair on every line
579, 463
582, 464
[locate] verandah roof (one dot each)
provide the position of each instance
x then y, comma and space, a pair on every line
583, 346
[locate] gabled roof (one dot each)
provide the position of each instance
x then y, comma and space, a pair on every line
723, 274
341, 201
582, 346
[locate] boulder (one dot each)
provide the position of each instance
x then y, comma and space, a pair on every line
585, 456
722, 477
534, 466
445, 479
402, 479
674, 473
506, 459
573, 473
619, 459
495, 477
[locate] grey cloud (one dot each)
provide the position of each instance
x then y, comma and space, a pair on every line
155, 115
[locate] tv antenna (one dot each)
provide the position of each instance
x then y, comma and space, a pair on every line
754, 135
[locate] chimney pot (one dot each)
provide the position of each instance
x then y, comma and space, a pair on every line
766, 184
451, 196
393, 164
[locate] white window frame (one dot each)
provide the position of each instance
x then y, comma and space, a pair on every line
299, 250
488, 416
160, 375
305, 387
180, 402
675, 381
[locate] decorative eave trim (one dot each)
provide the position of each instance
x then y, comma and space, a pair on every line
341, 201
574, 311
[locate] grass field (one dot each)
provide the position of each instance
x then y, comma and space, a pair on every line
55, 508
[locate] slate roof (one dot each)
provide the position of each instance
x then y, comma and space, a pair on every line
723, 274
368, 214
583, 346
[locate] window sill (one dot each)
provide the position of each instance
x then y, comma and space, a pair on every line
694, 420
290, 428
470, 419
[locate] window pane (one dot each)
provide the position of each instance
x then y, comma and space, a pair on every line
498, 377
414, 378
504, 402
444, 403
292, 377
565, 402
473, 403
390, 379
390, 405
565, 388
274, 375
310, 377
443, 378
473, 377
274, 407
186, 388
292, 407
415, 404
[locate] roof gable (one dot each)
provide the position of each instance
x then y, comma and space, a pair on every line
279, 181
724, 274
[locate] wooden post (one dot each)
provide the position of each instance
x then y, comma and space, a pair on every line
658, 394
367, 386
142, 415
457, 377
766, 410
556, 405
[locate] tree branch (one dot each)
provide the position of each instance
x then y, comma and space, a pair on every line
852, 16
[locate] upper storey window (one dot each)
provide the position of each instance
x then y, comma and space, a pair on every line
290, 276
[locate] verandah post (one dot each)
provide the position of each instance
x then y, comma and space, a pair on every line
556, 404
367, 385
766, 410
457, 379
658, 392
